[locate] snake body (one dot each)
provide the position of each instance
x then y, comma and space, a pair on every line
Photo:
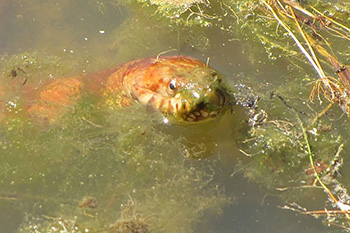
182, 88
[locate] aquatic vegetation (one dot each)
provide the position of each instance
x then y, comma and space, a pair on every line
126, 172
277, 143
304, 23
183, 12
113, 157
115, 162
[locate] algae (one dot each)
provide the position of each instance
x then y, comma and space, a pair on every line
121, 161
141, 174
48, 171
285, 113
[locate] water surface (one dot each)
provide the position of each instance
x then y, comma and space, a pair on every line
106, 170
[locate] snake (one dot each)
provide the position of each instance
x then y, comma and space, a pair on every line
182, 88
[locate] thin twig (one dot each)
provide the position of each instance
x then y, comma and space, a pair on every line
301, 47
344, 208
307, 42
331, 20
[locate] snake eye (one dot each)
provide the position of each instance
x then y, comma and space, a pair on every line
172, 85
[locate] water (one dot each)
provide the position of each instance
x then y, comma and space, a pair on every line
101, 170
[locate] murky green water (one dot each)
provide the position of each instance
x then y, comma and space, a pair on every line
124, 171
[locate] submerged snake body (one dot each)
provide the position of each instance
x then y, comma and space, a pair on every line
181, 88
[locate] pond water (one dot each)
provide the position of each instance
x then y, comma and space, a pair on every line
102, 170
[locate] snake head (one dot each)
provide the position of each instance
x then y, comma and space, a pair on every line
198, 95
182, 88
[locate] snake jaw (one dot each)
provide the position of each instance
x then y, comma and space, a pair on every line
205, 110
186, 106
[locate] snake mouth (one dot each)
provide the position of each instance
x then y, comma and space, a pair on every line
205, 110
